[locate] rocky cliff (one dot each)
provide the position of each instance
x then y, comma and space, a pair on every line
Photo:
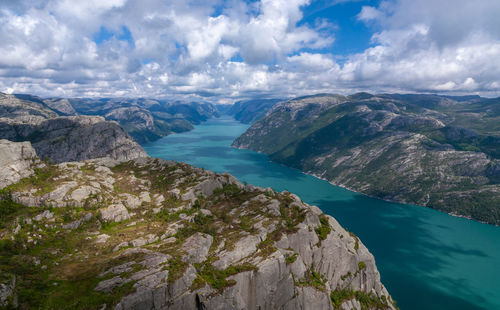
419, 149
63, 138
15, 110
143, 119
16, 161
150, 234
75, 138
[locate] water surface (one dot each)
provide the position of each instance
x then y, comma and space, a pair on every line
427, 259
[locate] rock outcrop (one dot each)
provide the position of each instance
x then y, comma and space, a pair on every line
76, 138
192, 239
22, 110
61, 106
62, 138
17, 161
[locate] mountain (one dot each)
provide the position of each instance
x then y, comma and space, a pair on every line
249, 111
143, 119
147, 119
422, 149
63, 138
151, 234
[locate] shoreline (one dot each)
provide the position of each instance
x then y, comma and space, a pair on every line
399, 202
374, 197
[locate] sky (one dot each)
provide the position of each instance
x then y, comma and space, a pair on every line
225, 50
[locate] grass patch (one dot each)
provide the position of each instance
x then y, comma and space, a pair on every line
43, 179
176, 268
324, 229
361, 265
218, 278
266, 247
313, 279
229, 190
367, 300
290, 259
356, 240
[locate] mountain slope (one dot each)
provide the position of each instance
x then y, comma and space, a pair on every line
150, 234
406, 148
147, 119
249, 111
63, 138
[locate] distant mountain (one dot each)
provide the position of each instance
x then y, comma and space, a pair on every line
144, 119
147, 119
249, 111
423, 149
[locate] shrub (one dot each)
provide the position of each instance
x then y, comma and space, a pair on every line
324, 229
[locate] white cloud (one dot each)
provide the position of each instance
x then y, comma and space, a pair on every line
244, 49
369, 13
429, 45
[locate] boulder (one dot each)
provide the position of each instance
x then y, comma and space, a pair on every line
196, 248
17, 160
114, 213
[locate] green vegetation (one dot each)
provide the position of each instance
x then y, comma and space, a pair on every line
176, 268
313, 279
53, 283
367, 300
8, 209
290, 259
361, 265
356, 240
43, 180
266, 247
218, 278
291, 213
324, 229
230, 190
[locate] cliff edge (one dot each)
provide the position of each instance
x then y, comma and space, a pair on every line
151, 234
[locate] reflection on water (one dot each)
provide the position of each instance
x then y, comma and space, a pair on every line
427, 259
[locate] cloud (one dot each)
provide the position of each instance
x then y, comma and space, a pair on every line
430, 46
236, 49
369, 13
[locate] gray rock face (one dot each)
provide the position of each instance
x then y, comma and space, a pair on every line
67, 138
19, 110
16, 161
7, 291
61, 106
263, 252
132, 118
77, 138
114, 213
197, 247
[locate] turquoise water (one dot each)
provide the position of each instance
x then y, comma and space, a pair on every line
427, 259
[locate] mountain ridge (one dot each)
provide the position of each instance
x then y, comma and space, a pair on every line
405, 148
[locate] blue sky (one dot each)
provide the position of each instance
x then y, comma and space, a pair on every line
225, 50
351, 35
